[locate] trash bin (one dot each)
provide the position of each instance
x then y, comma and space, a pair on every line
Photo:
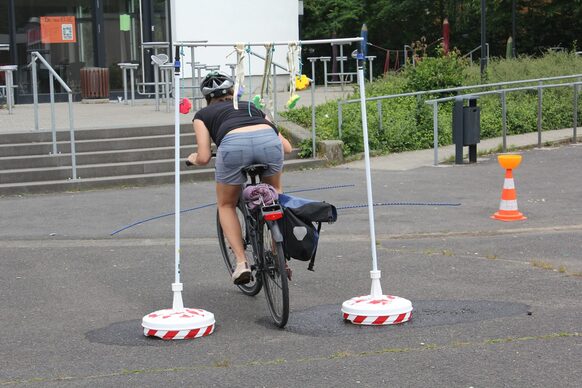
94, 82
471, 123
466, 128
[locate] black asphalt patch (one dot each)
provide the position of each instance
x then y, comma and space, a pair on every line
327, 321
127, 333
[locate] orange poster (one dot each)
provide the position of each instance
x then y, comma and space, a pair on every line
58, 29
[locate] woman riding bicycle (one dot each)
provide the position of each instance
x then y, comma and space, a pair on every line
243, 136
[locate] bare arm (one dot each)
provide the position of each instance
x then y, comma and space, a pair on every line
202, 157
287, 147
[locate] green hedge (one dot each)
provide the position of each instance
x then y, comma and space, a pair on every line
407, 122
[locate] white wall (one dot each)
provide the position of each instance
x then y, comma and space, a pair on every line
232, 21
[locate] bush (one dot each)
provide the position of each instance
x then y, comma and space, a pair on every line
407, 122
433, 73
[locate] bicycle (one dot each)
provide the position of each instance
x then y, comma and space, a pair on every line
263, 244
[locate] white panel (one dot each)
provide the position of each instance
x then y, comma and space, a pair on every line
234, 21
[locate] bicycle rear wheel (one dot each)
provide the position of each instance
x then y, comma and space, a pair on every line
254, 286
275, 276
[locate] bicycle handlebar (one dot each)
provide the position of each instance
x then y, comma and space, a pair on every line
189, 164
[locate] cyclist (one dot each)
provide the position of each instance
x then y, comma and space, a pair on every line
243, 136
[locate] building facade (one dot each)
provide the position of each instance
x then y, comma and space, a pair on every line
76, 34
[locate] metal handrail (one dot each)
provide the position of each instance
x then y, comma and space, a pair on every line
470, 53
502, 93
455, 89
35, 55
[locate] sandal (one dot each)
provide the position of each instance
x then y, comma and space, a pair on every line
242, 273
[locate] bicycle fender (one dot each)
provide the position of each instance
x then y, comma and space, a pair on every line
275, 231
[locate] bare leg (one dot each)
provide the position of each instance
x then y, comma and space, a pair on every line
227, 198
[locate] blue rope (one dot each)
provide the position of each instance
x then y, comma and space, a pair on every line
161, 216
295, 191
319, 188
208, 205
399, 204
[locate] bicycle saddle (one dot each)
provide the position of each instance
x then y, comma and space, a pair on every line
254, 169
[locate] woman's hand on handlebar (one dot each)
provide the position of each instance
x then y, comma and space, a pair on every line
191, 160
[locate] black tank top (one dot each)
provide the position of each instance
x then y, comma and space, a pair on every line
220, 118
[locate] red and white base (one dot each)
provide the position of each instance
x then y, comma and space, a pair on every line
170, 324
377, 309
178, 322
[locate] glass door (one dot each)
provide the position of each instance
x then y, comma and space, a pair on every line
122, 27
127, 24
58, 30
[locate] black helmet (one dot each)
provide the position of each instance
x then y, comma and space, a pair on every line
216, 83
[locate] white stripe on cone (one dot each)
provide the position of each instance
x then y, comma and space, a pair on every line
508, 205
509, 183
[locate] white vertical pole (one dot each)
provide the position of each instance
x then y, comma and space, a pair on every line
177, 286
376, 289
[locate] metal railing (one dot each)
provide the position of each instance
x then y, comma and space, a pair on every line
470, 53
425, 92
35, 55
502, 93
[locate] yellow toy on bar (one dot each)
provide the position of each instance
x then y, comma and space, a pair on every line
301, 82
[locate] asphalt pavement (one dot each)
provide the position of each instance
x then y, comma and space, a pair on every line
495, 304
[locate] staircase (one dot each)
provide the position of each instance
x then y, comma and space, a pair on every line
106, 158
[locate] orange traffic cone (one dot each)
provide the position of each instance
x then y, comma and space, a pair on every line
508, 206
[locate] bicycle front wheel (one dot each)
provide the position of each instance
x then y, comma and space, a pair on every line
275, 277
254, 286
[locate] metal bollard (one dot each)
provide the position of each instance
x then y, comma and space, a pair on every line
8, 69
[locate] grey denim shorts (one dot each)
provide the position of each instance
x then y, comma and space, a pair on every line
241, 149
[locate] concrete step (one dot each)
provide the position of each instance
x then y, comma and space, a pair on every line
64, 172
92, 134
64, 185
97, 157
100, 157
105, 158
93, 145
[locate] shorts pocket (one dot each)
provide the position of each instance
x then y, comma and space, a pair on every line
274, 153
232, 159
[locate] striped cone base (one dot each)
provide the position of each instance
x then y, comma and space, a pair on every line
381, 320
508, 205
379, 310
179, 334
170, 324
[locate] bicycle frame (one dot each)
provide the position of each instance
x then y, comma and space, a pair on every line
270, 214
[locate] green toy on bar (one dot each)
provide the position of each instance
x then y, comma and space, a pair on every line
258, 102
292, 101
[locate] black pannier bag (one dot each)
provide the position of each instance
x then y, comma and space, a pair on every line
300, 235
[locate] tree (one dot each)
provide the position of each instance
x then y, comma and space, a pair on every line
393, 23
